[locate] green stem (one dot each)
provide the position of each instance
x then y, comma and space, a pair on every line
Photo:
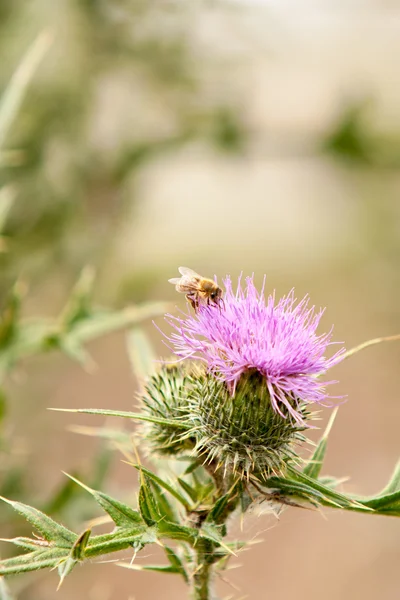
201, 581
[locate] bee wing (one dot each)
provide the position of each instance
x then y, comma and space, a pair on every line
186, 272
175, 280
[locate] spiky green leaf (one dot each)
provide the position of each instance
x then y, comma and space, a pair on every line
166, 486
314, 465
33, 561
122, 514
79, 548
64, 568
190, 491
125, 415
50, 529
147, 503
221, 508
176, 563
173, 531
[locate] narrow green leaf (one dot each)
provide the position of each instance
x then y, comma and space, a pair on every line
190, 491
125, 415
50, 530
173, 531
147, 504
314, 466
79, 548
214, 533
26, 543
64, 568
15, 92
164, 506
33, 561
327, 493
140, 353
192, 466
394, 482
219, 511
166, 486
121, 514
118, 540
103, 322
176, 563
388, 502
154, 568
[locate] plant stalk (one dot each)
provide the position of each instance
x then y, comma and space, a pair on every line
201, 582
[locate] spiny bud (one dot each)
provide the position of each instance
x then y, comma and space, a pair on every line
242, 433
166, 397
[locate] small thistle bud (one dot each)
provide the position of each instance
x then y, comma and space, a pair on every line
166, 397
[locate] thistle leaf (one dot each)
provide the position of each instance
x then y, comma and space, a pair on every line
175, 566
394, 482
190, 491
64, 568
154, 568
50, 530
173, 531
176, 563
220, 509
121, 514
102, 322
147, 504
78, 549
125, 415
33, 561
389, 504
158, 480
314, 466
214, 533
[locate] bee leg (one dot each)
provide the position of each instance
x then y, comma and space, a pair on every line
193, 301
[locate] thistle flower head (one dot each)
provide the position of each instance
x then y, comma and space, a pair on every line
277, 339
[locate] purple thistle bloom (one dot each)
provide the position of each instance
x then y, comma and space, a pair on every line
247, 334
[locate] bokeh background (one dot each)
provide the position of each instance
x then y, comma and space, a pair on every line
227, 137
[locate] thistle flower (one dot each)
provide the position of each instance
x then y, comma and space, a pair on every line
278, 340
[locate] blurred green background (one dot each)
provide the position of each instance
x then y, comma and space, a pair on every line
226, 137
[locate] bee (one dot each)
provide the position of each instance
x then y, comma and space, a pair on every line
198, 289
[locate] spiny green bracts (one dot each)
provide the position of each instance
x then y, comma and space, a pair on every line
242, 434
239, 434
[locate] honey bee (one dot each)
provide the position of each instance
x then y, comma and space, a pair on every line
198, 289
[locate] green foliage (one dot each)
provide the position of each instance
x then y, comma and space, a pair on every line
196, 524
78, 323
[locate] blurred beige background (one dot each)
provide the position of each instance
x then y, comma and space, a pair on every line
276, 150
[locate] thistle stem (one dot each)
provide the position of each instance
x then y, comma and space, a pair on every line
201, 581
